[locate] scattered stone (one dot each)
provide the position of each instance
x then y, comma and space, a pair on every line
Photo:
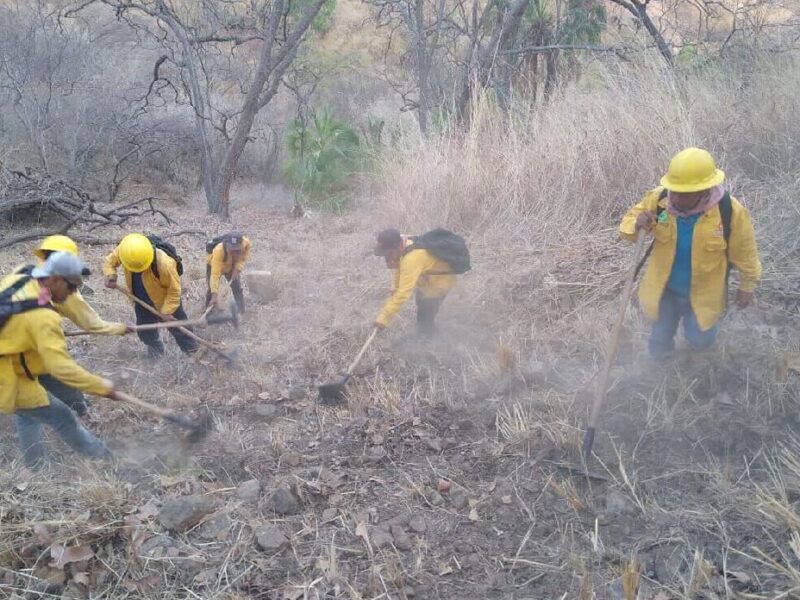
292, 459
409, 592
443, 486
329, 514
270, 538
418, 525
297, 393
434, 444
215, 528
401, 539
284, 502
377, 439
376, 454
435, 498
466, 425
249, 491
266, 410
262, 284
618, 504
459, 499
180, 514
381, 539
449, 443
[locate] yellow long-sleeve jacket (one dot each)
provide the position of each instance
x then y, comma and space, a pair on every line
222, 263
709, 260
164, 290
77, 310
37, 335
417, 269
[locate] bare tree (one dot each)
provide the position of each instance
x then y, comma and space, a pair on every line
195, 37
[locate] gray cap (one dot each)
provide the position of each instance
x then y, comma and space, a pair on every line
62, 264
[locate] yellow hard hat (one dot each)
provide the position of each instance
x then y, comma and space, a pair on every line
136, 252
56, 243
692, 170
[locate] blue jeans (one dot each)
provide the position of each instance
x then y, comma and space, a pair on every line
671, 310
57, 415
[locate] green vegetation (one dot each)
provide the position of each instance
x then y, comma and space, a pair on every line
324, 152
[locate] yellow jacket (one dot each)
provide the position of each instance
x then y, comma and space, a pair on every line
709, 265
420, 269
222, 263
164, 290
77, 310
37, 335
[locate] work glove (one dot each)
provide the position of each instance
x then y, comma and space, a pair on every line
165, 317
379, 326
110, 393
111, 282
645, 220
129, 329
213, 300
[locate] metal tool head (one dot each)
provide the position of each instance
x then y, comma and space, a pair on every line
333, 394
219, 319
198, 430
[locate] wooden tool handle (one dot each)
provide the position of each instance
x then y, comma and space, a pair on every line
361, 352
613, 342
183, 330
156, 410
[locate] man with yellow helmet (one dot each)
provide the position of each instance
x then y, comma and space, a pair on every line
699, 232
76, 309
152, 276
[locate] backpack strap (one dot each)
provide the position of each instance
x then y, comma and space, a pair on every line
7, 293
659, 209
726, 213
154, 266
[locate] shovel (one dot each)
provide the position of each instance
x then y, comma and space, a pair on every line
197, 431
333, 393
611, 351
229, 357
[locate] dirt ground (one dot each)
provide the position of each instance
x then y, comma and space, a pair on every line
452, 473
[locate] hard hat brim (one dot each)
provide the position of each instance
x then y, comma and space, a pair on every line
698, 186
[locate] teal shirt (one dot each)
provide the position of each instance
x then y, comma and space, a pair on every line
680, 279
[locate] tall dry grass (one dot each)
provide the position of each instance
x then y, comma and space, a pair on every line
543, 182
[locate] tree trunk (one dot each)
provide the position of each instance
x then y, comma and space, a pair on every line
270, 68
639, 10
198, 102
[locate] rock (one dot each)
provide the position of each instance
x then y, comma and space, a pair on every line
409, 592
376, 454
270, 538
434, 444
180, 514
449, 443
284, 502
459, 499
435, 498
266, 410
249, 491
377, 439
215, 528
329, 514
263, 285
292, 459
297, 392
618, 504
381, 538
401, 539
443, 486
466, 425
418, 525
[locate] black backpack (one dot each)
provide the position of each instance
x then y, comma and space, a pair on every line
9, 307
725, 212
212, 243
168, 249
445, 245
